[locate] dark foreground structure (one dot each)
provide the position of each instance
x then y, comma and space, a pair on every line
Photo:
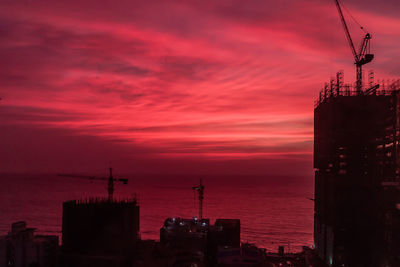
21, 247
99, 232
357, 174
194, 242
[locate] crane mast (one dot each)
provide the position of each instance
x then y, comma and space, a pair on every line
200, 189
363, 56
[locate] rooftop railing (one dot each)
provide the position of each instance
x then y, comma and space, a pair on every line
336, 88
103, 200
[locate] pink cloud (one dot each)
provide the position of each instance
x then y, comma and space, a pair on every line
206, 80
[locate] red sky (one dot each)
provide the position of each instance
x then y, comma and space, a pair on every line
175, 86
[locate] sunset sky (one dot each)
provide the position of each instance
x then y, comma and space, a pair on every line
212, 86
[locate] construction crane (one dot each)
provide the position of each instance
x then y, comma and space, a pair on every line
110, 179
363, 56
200, 189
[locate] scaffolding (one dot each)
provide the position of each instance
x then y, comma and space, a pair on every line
357, 173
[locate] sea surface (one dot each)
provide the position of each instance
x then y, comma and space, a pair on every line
273, 211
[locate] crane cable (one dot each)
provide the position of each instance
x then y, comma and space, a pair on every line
351, 16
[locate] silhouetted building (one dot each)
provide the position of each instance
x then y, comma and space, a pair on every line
99, 232
356, 161
224, 239
242, 256
187, 237
195, 241
22, 248
226, 232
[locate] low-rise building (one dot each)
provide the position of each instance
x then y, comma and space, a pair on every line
22, 248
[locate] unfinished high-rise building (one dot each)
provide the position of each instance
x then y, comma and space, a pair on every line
357, 171
99, 232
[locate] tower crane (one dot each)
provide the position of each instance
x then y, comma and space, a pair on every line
200, 189
363, 56
111, 180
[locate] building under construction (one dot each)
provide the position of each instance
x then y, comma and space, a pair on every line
99, 232
357, 169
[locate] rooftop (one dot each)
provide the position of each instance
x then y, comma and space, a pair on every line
102, 200
336, 88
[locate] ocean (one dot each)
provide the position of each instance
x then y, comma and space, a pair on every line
274, 211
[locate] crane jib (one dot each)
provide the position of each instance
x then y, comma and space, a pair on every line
363, 56
110, 179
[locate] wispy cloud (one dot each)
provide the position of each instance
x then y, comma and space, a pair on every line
215, 80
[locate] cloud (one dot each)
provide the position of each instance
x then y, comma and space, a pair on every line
209, 81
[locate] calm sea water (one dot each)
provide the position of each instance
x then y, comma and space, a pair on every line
273, 210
